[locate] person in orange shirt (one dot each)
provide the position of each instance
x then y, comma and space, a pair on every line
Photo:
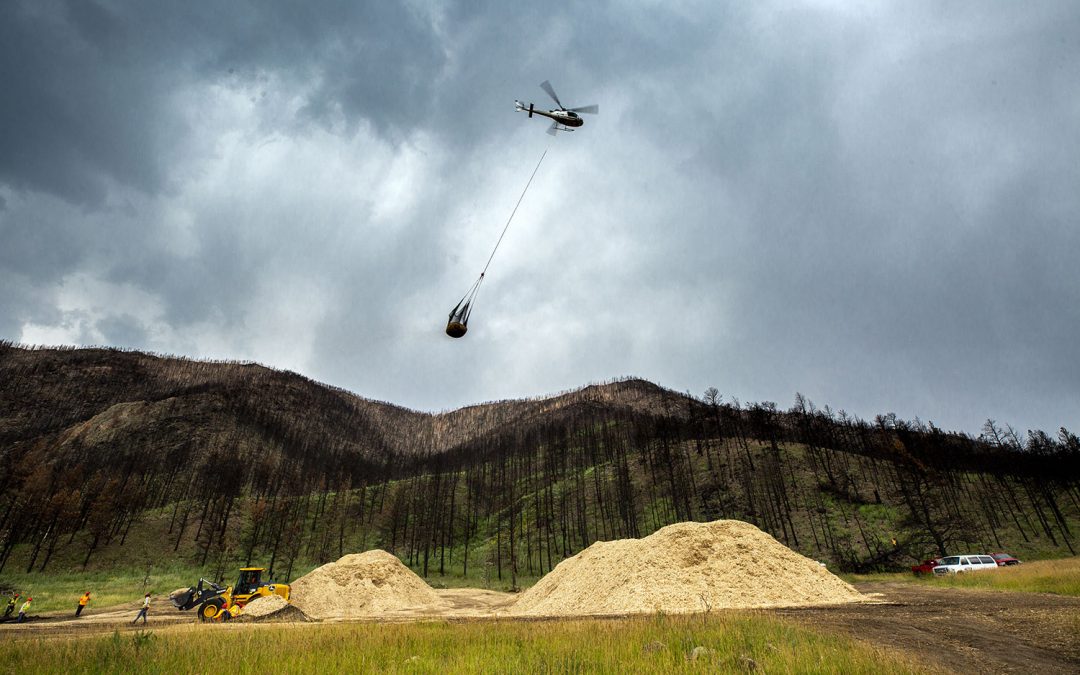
82, 603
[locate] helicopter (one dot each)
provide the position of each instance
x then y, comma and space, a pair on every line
568, 118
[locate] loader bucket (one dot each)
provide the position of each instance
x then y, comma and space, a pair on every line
183, 598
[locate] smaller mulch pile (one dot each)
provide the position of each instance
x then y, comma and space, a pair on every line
362, 585
271, 608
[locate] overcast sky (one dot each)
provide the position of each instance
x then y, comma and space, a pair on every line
873, 204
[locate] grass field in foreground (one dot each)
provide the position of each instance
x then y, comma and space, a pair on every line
1060, 576
735, 643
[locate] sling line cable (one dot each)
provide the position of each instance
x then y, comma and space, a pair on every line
459, 315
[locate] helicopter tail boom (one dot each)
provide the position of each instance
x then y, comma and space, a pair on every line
520, 107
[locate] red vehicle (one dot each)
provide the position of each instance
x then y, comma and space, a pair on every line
926, 567
1004, 559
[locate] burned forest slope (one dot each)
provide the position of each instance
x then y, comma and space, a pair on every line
87, 399
223, 463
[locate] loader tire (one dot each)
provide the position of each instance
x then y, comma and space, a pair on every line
209, 609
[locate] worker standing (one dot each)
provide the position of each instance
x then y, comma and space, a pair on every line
223, 612
82, 603
24, 609
11, 605
228, 611
143, 611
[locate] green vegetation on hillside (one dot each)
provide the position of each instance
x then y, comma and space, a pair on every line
122, 461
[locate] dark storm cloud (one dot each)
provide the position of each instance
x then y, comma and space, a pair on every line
874, 206
95, 100
90, 87
908, 228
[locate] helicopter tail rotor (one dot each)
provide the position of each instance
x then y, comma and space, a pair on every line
520, 107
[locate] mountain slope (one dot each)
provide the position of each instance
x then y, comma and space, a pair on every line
216, 463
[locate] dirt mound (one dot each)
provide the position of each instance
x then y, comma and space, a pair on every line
686, 567
287, 614
361, 584
271, 609
267, 604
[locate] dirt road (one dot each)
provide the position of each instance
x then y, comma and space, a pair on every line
461, 604
957, 629
93, 621
960, 629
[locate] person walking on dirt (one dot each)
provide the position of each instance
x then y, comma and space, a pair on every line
143, 611
24, 609
11, 605
82, 604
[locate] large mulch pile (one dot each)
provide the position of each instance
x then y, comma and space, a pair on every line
686, 567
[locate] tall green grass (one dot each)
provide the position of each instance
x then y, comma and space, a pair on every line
731, 643
61, 590
1061, 576
1042, 576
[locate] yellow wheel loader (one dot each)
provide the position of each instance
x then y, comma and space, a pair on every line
211, 597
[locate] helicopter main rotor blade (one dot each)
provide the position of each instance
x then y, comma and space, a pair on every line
591, 109
553, 129
546, 86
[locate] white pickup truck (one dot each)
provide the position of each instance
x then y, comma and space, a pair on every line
954, 564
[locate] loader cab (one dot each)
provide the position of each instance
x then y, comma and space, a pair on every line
250, 580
